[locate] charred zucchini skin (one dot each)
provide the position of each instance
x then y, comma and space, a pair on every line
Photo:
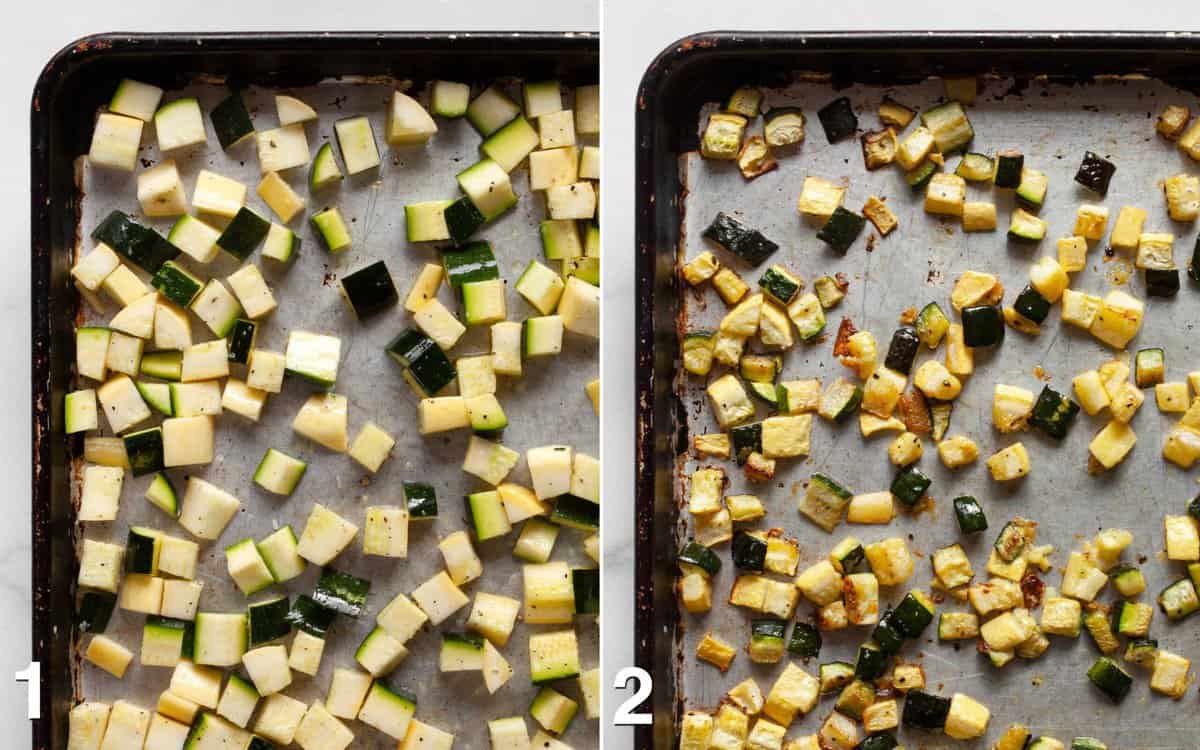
842, 228
747, 439
902, 350
971, 518
748, 244
95, 610
887, 633
910, 486
838, 119
231, 121
749, 552
1162, 282
805, 641
871, 664
924, 710
694, 553
241, 340
1031, 305
1053, 413
1095, 172
1113, 681
983, 325
881, 741
913, 614
1009, 164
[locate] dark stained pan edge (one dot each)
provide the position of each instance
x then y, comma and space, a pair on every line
59, 135
705, 67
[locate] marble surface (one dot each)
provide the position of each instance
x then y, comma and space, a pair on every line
43, 30
632, 34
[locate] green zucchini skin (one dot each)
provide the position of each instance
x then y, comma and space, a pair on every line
854, 560
145, 450
910, 486
268, 621
1095, 173
370, 290
871, 664
805, 641
696, 554
983, 325
970, 516
244, 233
95, 610
748, 244
749, 552
176, 284
139, 244
139, 552
258, 743
241, 340
576, 513
838, 119
421, 499
842, 228
913, 614
778, 286
1113, 681
1053, 413
919, 176
931, 325
186, 629
463, 219
423, 360
313, 618
1193, 267
1193, 507
746, 439
1179, 600
1031, 305
341, 592
231, 121
473, 262
586, 583
1008, 169
924, 710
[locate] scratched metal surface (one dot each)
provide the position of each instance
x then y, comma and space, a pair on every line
547, 404
1053, 125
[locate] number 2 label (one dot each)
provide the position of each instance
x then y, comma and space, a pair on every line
643, 685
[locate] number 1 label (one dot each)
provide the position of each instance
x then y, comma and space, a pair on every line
33, 676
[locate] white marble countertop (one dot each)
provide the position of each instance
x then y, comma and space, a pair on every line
43, 29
